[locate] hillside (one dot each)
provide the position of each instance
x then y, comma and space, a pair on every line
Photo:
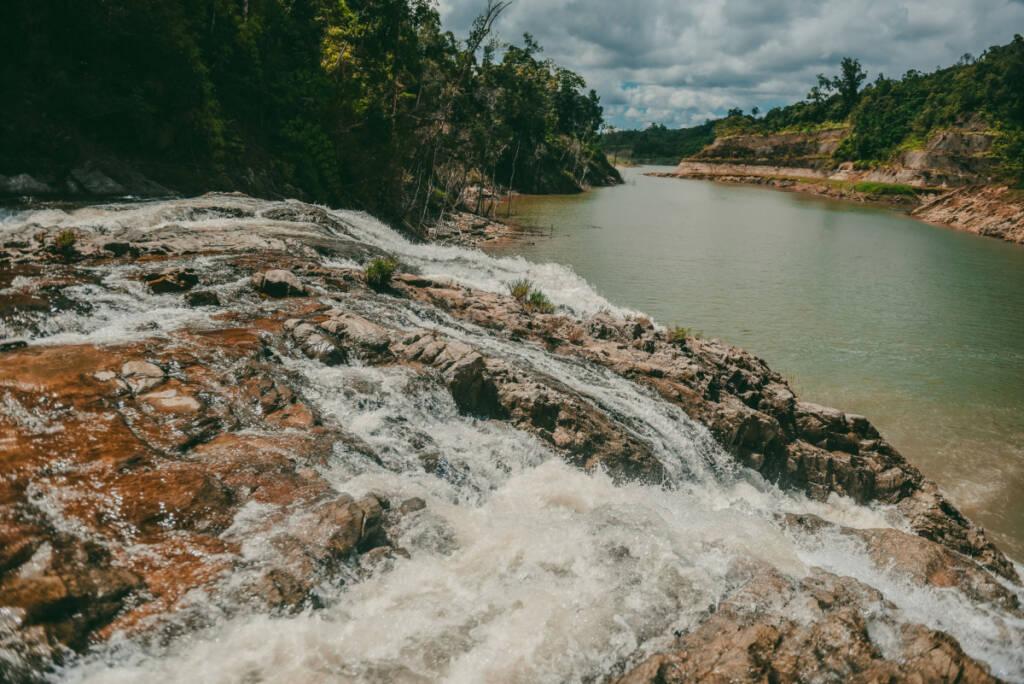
363, 104
948, 147
657, 144
960, 125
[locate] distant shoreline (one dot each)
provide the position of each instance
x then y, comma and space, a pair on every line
989, 210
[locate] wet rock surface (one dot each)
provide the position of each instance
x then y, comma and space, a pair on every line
748, 407
821, 628
136, 473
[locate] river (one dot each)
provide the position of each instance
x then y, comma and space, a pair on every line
918, 327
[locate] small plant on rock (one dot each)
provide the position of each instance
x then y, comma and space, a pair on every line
538, 302
677, 334
64, 243
520, 289
379, 272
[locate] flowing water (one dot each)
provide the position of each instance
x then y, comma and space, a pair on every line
918, 327
522, 568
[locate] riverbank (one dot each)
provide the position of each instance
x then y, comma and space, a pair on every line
857, 305
992, 211
250, 436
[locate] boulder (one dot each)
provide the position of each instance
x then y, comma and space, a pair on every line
141, 375
172, 281
199, 298
23, 184
95, 182
279, 283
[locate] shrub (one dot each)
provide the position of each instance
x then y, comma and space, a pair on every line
538, 302
677, 334
64, 244
520, 289
65, 240
379, 272
873, 188
532, 299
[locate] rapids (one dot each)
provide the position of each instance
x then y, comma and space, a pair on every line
522, 568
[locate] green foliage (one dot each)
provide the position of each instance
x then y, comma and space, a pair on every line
538, 302
379, 272
63, 244
891, 189
658, 144
65, 240
358, 102
898, 114
1009, 149
678, 334
888, 116
532, 299
520, 289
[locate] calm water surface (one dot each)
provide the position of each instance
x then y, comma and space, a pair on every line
918, 327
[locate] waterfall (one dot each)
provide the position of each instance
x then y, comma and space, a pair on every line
521, 568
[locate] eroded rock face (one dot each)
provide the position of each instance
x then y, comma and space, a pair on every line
770, 630
143, 454
748, 407
136, 473
993, 211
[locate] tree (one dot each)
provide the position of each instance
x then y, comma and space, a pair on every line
848, 83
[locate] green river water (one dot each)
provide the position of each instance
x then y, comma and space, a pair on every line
918, 327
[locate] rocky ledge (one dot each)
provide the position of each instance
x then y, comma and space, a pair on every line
133, 472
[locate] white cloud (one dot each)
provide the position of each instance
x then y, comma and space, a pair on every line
678, 62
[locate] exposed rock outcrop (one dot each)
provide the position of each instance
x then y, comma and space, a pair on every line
769, 631
748, 407
995, 211
133, 475
795, 150
279, 283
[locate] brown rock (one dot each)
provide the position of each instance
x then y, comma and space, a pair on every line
177, 495
141, 375
200, 298
775, 629
173, 281
279, 283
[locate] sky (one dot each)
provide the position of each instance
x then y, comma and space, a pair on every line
680, 62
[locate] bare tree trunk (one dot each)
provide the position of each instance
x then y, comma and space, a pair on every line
512, 179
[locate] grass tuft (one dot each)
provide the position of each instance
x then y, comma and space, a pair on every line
379, 272
520, 289
532, 299
677, 334
538, 302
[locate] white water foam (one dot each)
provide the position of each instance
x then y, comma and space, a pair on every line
521, 568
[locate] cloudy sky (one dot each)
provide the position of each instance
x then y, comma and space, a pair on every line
678, 62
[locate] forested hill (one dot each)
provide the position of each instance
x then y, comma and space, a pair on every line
881, 118
361, 103
658, 144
